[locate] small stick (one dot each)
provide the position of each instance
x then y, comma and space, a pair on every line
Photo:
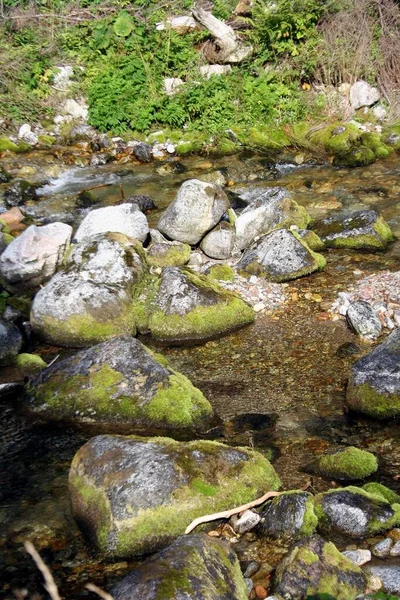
121, 189
228, 513
53, 361
50, 584
94, 588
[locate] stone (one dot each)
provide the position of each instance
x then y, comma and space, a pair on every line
62, 77
10, 342
143, 152
168, 254
353, 512
91, 300
3, 243
26, 134
357, 229
19, 192
314, 566
133, 495
382, 549
172, 85
281, 256
181, 24
288, 516
124, 218
379, 112
73, 109
189, 307
345, 464
389, 575
363, 94
118, 383
395, 549
267, 209
358, 557
364, 320
5, 176
197, 208
374, 383
191, 567
33, 257
220, 242
246, 522
144, 203
208, 71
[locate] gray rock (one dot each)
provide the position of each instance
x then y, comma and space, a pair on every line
219, 243
363, 94
33, 257
281, 256
354, 513
172, 84
124, 218
374, 382
389, 575
357, 229
118, 383
19, 192
288, 516
268, 208
10, 342
382, 549
246, 522
134, 495
191, 567
364, 320
62, 77
143, 152
314, 566
197, 208
358, 557
208, 70
395, 549
144, 203
72, 108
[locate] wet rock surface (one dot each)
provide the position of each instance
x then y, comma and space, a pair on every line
364, 320
289, 517
10, 341
19, 192
358, 229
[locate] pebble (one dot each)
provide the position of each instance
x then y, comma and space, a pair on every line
246, 522
251, 569
358, 557
382, 549
261, 592
395, 549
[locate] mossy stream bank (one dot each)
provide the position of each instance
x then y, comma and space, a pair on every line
278, 385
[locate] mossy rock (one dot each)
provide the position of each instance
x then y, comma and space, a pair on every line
221, 272
134, 495
289, 516
168, 254
358, 157
6, 144
29, 364
379, 489
5, 176
315, 567
312, 240
267, 138
346, 464
337, 138
46, 140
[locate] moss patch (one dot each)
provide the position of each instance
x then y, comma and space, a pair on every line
221, 272
6, 144
91, 509
366, 399
169, 256
350, 463
29, 363
144, 301
383, 491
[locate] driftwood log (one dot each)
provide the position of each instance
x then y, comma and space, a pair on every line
231, 49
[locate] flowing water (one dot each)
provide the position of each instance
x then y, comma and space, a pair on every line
278, 385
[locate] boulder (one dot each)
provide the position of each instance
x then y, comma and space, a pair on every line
314, 566
91, 300
363, 94
197, 208
281, 256
71, 108
288, 516
195, 566
374, 383
144, 203
10, 342
346, 464
163, 253
124, 218
219, 243
268, 208
357, 229
19, 192
134, 495
119, 382
27, 135
33, 257
389, 575
353, 512
364, 320
356, 157
183, 306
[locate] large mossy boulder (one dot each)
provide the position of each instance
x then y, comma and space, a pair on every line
194, 566
315, 567
125, 218
281, 256
374, 383
345, 464
357, 229
91, 299
355, 513
288, 516
183, 306
134, 495
119, 383
197, 208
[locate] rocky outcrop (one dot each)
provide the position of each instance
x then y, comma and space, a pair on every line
119, 383
132, 495
191, 567
33, 257
124, 218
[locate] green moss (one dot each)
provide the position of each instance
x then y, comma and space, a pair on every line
223, 147
366, 399
358, 157
310, 519
6, 144
29, 363
307, 556
374, 142
336, 143
268, 138
21, 303
221, 272
4, 227
144, 301
174, 255
382, 490
368, 241
350, 463
203, 488
313, 241
94, 505
46, 140
7, 238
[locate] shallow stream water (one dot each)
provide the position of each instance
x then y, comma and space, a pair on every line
278, 385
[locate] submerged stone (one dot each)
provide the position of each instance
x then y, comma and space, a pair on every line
288, 516
121, 383
19, 192
195, 566
314, 566
346, 464
357, 229
374, 383
281, 256
134, 495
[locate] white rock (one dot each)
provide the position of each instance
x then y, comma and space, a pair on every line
259, 307
379, 112
363, 94
125, 218
208, 70
382, 549
344, 89
395, 549
172, 84
358, 557
170, 148
246, 522
62, 79
24, 130
25, 133
181, 24
75, 110
220, 242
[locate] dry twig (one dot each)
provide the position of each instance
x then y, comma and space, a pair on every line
50, 585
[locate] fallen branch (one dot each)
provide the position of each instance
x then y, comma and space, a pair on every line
225, 514
94, 588
50, 585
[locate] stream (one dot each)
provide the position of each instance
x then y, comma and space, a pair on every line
278, 385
